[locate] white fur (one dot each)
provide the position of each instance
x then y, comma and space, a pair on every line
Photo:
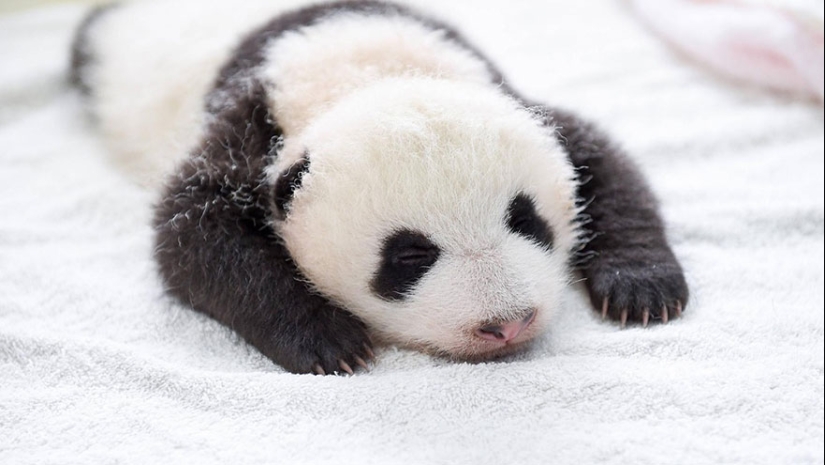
157, 60
404, 130
444, 158
310, 69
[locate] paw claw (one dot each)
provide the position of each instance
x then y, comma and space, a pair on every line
360, 361
318, 369
631, 284
369, 351
345, 366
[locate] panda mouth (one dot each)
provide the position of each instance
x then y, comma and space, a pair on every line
526, 323
529, 319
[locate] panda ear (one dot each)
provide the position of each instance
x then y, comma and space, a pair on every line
289, 181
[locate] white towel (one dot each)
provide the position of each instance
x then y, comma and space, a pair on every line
98, 367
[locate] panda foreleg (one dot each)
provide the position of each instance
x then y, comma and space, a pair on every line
629, 268
217, 253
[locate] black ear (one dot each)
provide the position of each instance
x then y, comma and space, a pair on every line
288, 182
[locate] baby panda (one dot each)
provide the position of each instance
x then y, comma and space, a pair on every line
339, 175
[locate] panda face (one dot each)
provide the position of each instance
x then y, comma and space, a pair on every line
442, 214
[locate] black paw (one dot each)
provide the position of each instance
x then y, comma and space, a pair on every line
637, 288
327, 341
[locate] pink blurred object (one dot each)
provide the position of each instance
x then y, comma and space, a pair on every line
769, 45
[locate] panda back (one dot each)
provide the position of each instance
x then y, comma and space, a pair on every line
146, 68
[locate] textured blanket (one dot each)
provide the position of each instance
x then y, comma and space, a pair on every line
97, 366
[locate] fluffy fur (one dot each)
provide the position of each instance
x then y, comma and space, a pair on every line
445, 158
329, 130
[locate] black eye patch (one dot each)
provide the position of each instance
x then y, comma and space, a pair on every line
405, 258
522, 219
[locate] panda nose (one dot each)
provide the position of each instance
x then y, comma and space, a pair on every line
504, 332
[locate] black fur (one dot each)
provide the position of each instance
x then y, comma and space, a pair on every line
215, 248
628, 262
405, 258
522, 219
288, 182
250, 53
217, 251
81, 54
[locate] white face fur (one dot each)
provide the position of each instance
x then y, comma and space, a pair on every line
443, 160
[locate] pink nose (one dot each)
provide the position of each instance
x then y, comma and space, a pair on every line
505, 332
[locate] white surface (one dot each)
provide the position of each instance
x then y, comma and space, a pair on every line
779, 48
97, 367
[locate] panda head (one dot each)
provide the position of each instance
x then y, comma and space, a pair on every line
440, 213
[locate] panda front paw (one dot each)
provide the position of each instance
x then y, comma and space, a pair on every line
637, 287
329, 341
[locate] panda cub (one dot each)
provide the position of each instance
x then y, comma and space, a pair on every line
342, 174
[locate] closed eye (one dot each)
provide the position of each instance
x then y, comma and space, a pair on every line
522, 219
406, 256
521, 226
415, 257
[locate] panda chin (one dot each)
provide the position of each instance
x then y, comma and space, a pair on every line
488, 354
471, 349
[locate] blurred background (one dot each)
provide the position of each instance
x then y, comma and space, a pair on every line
7, 6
